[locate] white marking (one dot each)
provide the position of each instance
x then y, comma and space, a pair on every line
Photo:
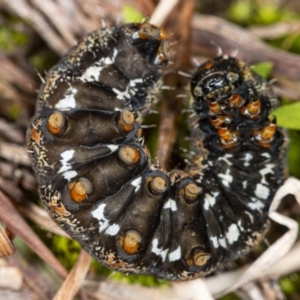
159, 251
222, 242
171, 204
129, 91
256, 205
210, 200
137, 183
266, 155
175, 255
70, 174
226, 178
265, 171
93, 72
98, 213
245, 184
112, 148
112, 229
250, 216
262, 191
66, 156
240, 225
214, 240
225, 158
248, 157
232, 234
68, 102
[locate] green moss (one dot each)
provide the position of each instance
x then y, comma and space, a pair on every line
230, 297
287, 286
14, 112
130, 14
293, 155
10, 39
64, 249
249, 12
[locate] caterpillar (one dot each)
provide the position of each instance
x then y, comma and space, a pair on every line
95, 175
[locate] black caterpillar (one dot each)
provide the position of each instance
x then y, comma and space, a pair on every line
95, 176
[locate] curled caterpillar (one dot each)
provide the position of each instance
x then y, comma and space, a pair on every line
95, 174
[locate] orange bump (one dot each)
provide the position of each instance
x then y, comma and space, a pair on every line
56, 122
80, 190
126, 119
129, 155
254, 107
265, 136
191, 192
200, 258
236, 100
131, 241
228, 138
268, 132
158, 186
217, 121
214, 107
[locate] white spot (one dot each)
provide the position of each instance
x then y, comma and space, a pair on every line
226, 178
210, 200
129, 91
137, 183
225, 158
256, 204
250, 216
112, 229
215, 242
175, 255
222, 242
267, 170
68, 102
93, 72
266, 155
66, 156
159, 251
112, 148
240, 225
232, 234
245, 184
262, 191
70, 174
171, 204
98, 214
248, 157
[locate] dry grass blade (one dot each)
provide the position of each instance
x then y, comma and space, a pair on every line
209, 31
41, 218
171, 108
162, 11
14, 221
75, 278
6, 247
